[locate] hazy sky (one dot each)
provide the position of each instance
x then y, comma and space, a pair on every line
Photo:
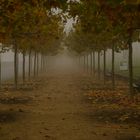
69, 25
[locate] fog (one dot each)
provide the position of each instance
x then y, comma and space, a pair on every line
66, 61
63, 62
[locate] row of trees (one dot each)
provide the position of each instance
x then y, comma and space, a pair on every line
31, 27
103, 24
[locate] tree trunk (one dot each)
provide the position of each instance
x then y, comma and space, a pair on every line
23, 70
41, 63
84, 63
16, 66
43, 67
94, 62
29, 73
130, 65
113, 67
91, 63
87, 63
99, 72
104, 66
37, 71
45, 63
0, 71
35, 64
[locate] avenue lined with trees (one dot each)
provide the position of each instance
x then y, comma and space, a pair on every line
36, 27
32, 28
102, 25
65, 85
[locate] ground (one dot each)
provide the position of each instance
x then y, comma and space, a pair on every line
57, 108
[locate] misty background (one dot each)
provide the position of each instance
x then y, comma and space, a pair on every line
63, 58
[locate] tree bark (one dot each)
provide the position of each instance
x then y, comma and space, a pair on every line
29, 73
91, 63
16, 65
130, 65
35, 64
84, 63
0, 71
43, 67
94, 62
99, 71
113, 67
41, 62
23, 70
45, 63
37, 71
87, 63
104, 66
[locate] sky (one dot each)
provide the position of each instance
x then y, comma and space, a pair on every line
69, 25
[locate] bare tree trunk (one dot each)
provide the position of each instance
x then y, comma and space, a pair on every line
45, 63
35, 64
99, 70
23, 70
87, 63
130, 65
84, 63
113, 67
41, 63
94, 62
91, 63
37, 71
104, 66
16, 65
0, 71
29, 73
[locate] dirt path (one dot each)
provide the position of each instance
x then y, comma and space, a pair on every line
58, 111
